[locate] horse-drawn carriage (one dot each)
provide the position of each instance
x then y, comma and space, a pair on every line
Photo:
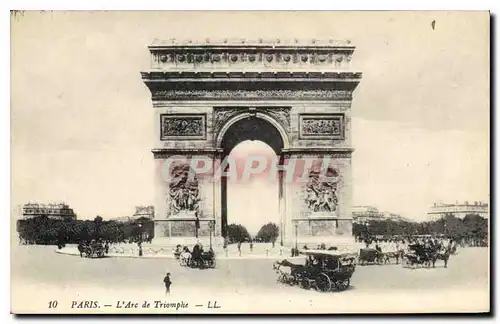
200, 260
324, 270
425, 256
92, 250
370, 256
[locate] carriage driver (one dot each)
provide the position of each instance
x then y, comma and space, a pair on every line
197, 254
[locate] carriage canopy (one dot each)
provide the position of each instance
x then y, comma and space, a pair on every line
324, 253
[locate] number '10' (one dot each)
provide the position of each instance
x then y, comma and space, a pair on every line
53, 304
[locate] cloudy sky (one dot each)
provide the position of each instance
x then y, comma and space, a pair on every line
82, 117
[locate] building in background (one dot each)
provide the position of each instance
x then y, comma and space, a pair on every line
144, 211
459, 210
396, 217
53, 211
140, 212
363, 214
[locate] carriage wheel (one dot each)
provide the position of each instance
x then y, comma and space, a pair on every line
305, 283
406, 262
289, 280
343, 284
323, 283
211, 263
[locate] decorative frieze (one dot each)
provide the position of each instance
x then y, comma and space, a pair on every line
313, 126
175, 54
221, 94
183, 126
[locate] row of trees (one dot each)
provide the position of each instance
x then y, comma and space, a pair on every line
44, 230
471, 226
238, 233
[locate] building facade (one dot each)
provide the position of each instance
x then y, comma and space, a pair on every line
144, 212
459, 210
364, 214
54, 211
295, 96
140, 212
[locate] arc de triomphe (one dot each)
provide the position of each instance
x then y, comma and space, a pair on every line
295, 96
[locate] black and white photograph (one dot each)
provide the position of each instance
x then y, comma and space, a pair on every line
250, 162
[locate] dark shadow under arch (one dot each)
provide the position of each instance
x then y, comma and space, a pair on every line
252, 128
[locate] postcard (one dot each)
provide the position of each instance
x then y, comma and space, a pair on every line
250, 162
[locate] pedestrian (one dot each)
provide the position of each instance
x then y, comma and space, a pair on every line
168, 283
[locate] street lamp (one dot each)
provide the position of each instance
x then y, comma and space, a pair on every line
367, 234
281, 233
196, 225
296, 236
140, 238
211, 225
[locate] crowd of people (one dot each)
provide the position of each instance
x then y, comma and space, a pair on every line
404, 244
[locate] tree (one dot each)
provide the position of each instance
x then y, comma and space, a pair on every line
237, 233
476, 227
268, 233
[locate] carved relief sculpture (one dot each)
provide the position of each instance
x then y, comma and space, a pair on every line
281, 114
321, 192
184, 192
222, 115
322, 126
182, 126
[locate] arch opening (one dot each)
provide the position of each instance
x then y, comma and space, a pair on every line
253, 128
251, 200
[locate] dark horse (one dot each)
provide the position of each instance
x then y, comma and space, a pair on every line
420, 255
440, 254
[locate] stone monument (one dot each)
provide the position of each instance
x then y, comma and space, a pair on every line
294, 95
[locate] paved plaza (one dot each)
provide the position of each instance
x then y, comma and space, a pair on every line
38, 270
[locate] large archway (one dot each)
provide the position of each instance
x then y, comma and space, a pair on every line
252, 200
249, 128
295, 97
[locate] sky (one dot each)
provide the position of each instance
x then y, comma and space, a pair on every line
82, 120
